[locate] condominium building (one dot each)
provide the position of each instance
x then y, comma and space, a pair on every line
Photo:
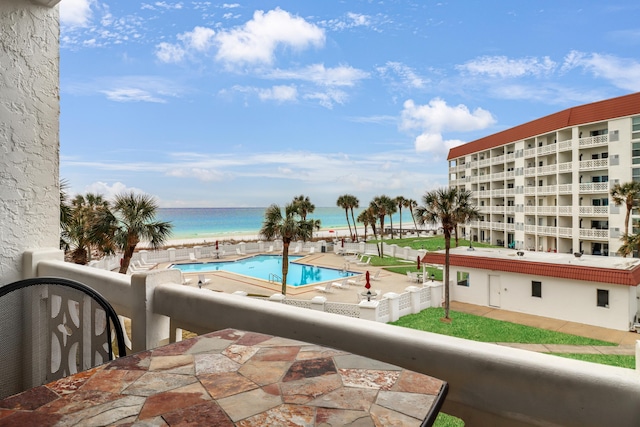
544, 185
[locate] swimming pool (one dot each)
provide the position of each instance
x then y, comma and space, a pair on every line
266, 266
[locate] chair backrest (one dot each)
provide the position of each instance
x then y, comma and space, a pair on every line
50, 328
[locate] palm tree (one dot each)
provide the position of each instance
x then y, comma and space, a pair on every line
349, 202
130, 220
82, 215
303, 206
466, 211
630, 243
288, 227
412, 204
65, 216
400, 201
626, 194
448, 207
382, 206
366, 218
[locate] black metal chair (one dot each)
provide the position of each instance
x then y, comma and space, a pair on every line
50, 328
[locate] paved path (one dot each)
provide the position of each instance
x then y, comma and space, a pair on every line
626, 341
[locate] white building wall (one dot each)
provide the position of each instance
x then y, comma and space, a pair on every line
29, 132
570, 300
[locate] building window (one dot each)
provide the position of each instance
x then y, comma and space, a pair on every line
603, 298
463, 278
536, 289
635, 128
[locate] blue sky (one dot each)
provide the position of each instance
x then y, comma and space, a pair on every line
207, 104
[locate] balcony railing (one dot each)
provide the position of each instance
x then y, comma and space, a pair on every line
565, 145
594, 164
593, 210
594, 234
593, 141
594, 187
547, 149
496, 386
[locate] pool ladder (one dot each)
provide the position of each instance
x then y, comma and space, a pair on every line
274, 278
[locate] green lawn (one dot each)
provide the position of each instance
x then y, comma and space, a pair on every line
621, 361
483, 329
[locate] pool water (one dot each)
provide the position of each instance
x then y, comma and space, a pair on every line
266, 266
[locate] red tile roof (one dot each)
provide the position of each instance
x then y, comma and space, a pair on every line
522, 266
622, 106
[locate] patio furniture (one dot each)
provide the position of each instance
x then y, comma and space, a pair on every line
51, 328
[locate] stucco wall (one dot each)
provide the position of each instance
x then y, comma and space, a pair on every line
561, 298
29, 132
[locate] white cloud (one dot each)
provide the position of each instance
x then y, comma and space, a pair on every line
437, 117
76, 12
279, 93
318, 74
257, 40
202, 174
351, 20
622, 72
501, 66
200, 39
230, 5
167, 52
407, 75
329, 98
110, 191
131, 95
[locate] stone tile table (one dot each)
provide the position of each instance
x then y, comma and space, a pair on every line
233, 378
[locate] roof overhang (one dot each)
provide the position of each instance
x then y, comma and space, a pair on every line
626, 277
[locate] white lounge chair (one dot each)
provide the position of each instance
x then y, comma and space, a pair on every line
202, 280
327, 288
375, 276
296, 249
270, 249
312, 249
186, 281
139, 266
239, 252
363, 262
192, 257
356, 280
341, 285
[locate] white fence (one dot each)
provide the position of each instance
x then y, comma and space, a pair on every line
489, 384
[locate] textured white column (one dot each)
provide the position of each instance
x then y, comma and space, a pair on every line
29, 132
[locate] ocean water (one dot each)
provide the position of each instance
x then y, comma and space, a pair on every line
189, 223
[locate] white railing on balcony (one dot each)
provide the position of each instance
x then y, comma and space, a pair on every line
510, 192
547, 210
565, 167
497, 176
484, 162
547, 149
529, 228
530, 190
497, 160
530, 171
511, 156
530, 210
565, 189
594, 187
547, 169
594, 164
593, 210
565, 210
472, 164
594, 234
565, 232
510, 209
592, 141
510, 226
547, 231
510, 174
547, 189
497, 209
530, 152
497, 226
565, 145
483, 193
499, 192
489, 384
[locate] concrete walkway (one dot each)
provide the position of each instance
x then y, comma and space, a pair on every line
626, 341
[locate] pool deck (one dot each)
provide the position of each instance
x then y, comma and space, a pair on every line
223, 281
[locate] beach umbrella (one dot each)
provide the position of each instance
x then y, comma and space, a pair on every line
367, 285
418, 262
216, 245
343, 242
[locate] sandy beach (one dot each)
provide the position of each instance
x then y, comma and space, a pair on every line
328, 234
